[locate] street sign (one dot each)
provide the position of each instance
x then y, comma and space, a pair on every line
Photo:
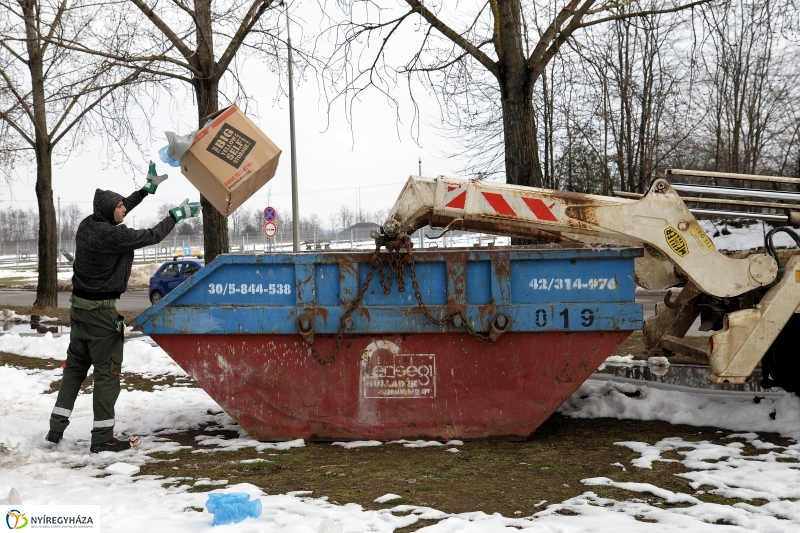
270, 229
270, 214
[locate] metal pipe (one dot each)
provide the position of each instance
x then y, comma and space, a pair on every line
780, 219
731, 191
722, 201
295, 192
731, 176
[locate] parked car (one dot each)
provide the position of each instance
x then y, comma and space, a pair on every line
171, 274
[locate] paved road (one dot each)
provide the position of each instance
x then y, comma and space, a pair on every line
138, 301
130, 301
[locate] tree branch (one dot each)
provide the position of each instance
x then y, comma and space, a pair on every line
130, 59
20, 99
253, 15
634, 14
448, 64
54, 25
187, 52
14, 52
125, 81
87, 89
454, 36
186, 8
559, 37
10, 121
554, 30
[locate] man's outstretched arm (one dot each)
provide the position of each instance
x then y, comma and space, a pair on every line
153, 181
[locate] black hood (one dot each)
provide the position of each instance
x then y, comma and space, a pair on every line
105, 202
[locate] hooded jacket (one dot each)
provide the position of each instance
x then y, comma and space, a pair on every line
104, 249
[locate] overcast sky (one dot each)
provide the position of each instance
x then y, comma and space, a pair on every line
377, 156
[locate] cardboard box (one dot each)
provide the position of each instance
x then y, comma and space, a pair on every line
230, 160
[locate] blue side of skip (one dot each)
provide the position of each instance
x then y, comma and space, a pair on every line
550, 288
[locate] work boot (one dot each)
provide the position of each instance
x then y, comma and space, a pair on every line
54, 436
115, 445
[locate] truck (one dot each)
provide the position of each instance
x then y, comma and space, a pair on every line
471, 343
751, 302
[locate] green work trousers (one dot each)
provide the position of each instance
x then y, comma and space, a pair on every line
96, 337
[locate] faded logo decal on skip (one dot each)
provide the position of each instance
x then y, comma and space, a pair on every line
386, 373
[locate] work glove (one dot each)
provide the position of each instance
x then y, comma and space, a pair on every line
187, 209
153, 180
119, 323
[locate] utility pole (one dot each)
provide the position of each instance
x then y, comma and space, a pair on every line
421, 242
295, 202
58, 263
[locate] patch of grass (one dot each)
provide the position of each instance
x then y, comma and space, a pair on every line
485, 476
13, 282
419, 524
132, 381
129, 380
567, 512
32, 363
59, 313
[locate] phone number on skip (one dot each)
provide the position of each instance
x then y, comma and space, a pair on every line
252, 288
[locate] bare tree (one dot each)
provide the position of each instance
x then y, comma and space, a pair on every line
753, 82
346, 216
238, 219
163, 212
257, 220
46, 96
18, 225
311, 224
503, 45
71, 216
197, 44
644, 96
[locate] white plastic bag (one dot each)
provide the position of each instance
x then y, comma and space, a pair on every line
176, 147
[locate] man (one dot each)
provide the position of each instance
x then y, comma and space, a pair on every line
102, 267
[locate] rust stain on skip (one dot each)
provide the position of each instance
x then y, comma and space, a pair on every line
322, 313
300, 285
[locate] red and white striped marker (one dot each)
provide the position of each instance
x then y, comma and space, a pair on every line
518, 206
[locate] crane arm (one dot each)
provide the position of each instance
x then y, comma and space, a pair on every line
659, 220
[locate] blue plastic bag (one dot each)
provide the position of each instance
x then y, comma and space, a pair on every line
232, 507
164, 156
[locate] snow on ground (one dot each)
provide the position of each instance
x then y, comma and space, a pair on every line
68, 474
748, 237
597, 399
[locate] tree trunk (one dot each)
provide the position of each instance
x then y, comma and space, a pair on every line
519, 131
47, 286
516, 96
215, 224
